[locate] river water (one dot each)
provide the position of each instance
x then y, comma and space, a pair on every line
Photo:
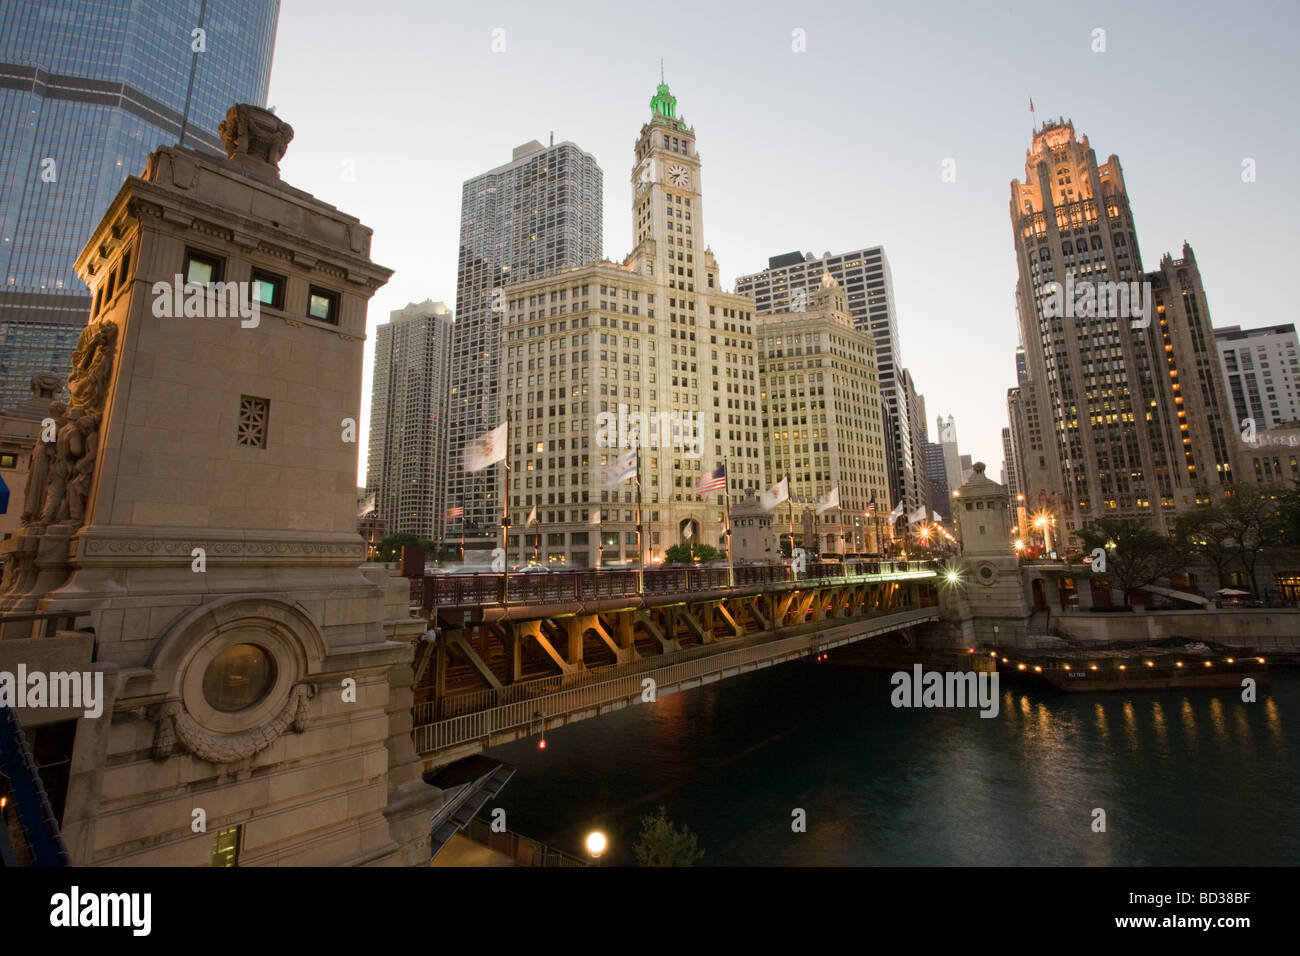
1185, 778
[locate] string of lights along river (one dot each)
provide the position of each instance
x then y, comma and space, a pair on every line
1185, 778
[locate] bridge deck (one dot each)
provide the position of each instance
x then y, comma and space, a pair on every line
456, 737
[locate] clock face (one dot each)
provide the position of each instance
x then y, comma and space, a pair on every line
679, 175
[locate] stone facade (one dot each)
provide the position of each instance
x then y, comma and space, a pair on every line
822, 419
1123, 415
655, 337
990, 590
254, 670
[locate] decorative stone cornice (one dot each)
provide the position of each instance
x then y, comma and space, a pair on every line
118, 546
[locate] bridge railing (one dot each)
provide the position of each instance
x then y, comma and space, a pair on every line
551, 587
531, 714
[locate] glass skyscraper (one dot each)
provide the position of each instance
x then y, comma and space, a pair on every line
88, 88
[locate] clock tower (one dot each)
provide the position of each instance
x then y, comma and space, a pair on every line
667, 213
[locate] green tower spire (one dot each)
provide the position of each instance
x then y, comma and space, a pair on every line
663, 106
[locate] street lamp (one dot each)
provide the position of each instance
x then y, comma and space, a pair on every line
596, 844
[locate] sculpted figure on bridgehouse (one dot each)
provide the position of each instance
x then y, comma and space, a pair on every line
62, 470
251, 132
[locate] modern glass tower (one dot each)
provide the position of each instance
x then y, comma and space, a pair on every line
88, 88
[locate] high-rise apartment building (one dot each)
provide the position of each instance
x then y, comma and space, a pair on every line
787, 284
534, 216
87, 91
1009, 477
940, 493
911, 478
650, 351
821, 410
406, 471
1121, 375
947, 435
1262, 372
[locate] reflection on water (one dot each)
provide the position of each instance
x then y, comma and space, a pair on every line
1196, 778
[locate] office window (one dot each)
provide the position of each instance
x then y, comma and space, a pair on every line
323, 305
268, 289
203, 268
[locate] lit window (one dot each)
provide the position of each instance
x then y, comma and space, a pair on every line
268, 289
323, 305
202, 268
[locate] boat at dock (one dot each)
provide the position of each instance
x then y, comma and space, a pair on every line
1146, 668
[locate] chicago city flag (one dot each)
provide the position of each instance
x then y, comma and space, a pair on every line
897, 512
778, 493
918, 516
611, 476
485, 450
832, 500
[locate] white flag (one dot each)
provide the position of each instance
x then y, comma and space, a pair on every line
832, 500
687, 533
532, 516
611, 476
778, 493
595, 516
485, 450
918, 516
897, 512
366, 507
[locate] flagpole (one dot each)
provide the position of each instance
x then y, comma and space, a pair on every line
789, 500
726, 498
640, 544
505, 521
600, 536
844, 551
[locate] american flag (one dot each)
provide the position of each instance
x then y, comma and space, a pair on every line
871, 505
715, 480
455, 511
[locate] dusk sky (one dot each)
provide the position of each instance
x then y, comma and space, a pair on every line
835, 148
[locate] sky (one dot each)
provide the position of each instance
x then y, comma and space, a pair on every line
821, 127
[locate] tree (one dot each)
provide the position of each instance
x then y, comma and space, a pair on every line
1135, 555
678, 554
681, 554
390, 548
662, 844
1255, 519
1204, 532
1289, 502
